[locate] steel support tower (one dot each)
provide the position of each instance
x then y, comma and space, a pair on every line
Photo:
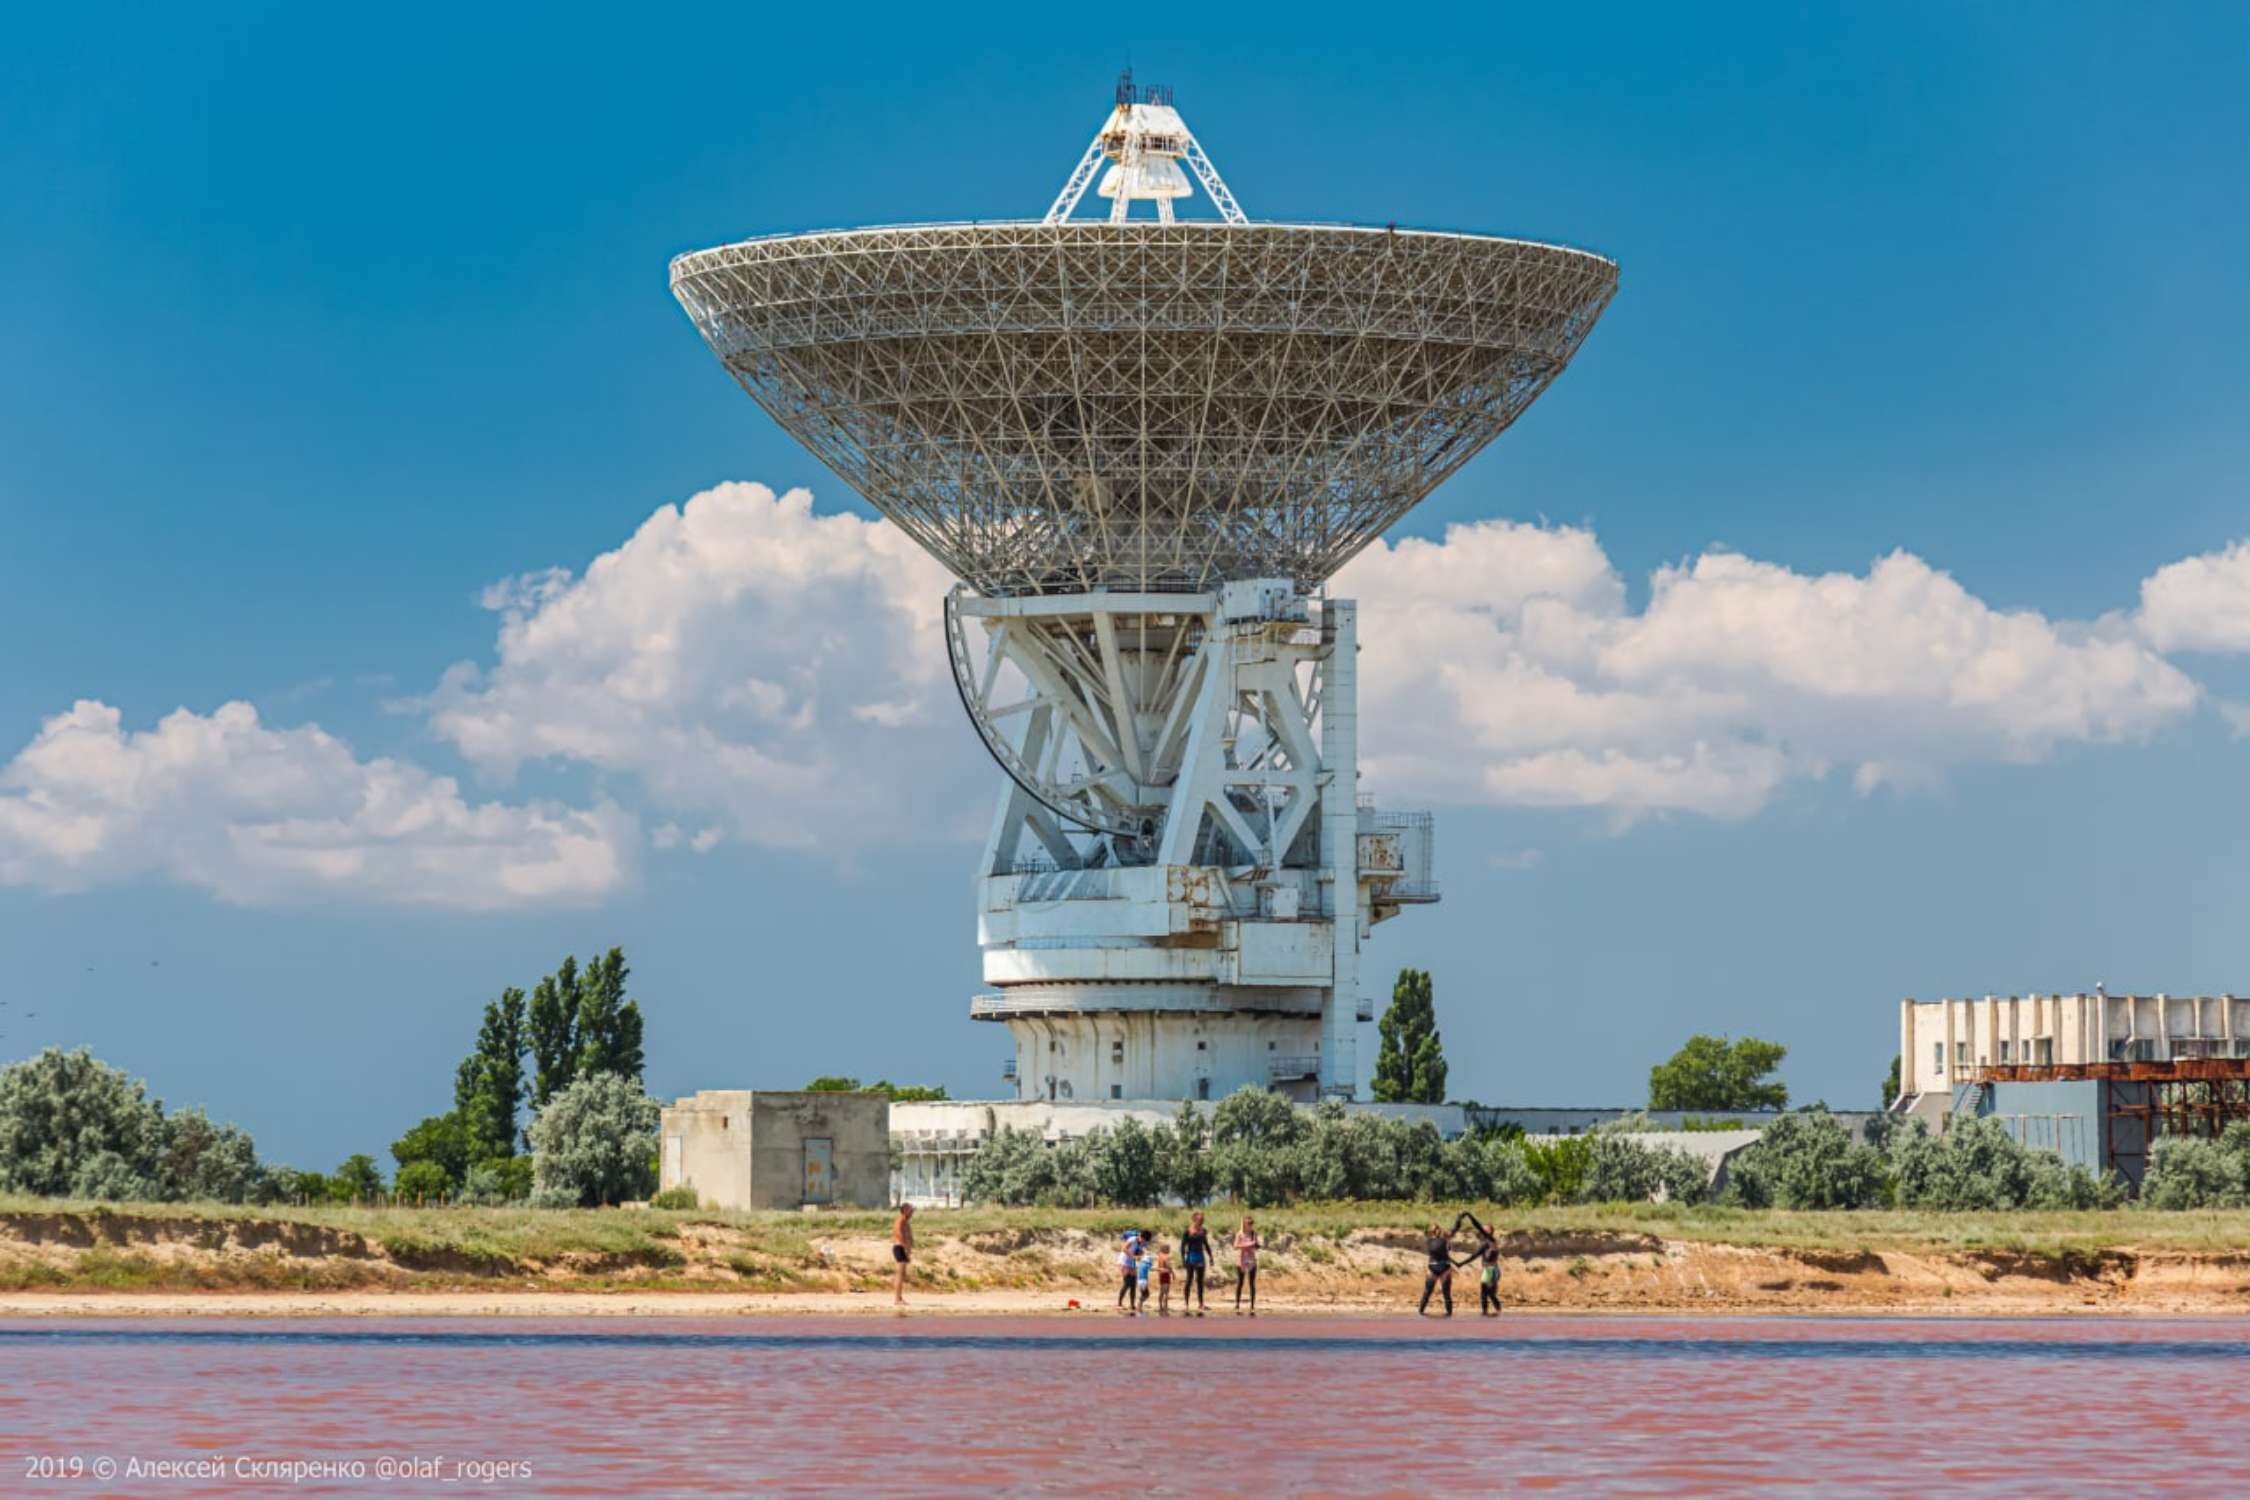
1143, 445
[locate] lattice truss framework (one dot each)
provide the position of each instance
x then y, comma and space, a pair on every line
1057, 408
1176, 738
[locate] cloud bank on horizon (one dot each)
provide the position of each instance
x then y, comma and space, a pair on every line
760, 673
260, 816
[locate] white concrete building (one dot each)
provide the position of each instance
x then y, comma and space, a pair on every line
1941, 1043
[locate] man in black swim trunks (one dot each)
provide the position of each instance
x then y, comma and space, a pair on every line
902, 1249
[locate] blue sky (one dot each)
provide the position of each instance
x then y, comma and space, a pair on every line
319, 325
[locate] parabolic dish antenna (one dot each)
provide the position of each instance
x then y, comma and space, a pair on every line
1061, 406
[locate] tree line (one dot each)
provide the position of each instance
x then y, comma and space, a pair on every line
548, 1108
1257, 1148
576, 1027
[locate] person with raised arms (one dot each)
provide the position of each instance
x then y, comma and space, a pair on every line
1438, 1247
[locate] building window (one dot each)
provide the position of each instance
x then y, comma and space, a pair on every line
1203, 1088
1937, 1056
2005, 1044
1202, 1046
2043, 1050
1269, 1046
1117, 1052
1117, 1091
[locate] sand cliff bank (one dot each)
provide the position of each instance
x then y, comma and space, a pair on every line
90, 1260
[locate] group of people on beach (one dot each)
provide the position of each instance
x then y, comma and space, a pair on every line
1144, 1258
1438, 1248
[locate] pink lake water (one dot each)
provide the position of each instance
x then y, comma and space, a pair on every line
946, 1405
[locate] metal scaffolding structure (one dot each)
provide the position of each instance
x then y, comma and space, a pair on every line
2146, 1101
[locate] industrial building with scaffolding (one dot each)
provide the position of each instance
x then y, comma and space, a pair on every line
2097, 1078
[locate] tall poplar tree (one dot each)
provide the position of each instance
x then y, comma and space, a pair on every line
554, 1033
609, 1025
1409, 1059
488, 1088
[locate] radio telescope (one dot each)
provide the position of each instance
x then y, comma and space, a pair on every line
1143, 445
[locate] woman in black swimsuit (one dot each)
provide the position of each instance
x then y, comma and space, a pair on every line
1195, 1258
1439, 1248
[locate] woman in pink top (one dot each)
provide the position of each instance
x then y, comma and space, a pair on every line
1246, 1265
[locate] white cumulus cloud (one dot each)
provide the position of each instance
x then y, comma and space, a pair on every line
1503, 665
2199, 603
262, 816
774, 675
745, 669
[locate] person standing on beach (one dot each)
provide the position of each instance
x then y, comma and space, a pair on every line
1488, 1276
1246, 1265
1163, 1282
1439, 1247
1128, 1261
1142, 1271
902, 1249
1195, 1255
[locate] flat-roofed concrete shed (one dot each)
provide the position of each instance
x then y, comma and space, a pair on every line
743, 1148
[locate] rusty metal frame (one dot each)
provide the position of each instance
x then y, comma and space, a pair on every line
2186, 1096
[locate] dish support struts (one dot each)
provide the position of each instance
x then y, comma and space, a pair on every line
1180, 875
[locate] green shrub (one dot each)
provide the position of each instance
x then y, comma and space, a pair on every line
2187, 1172
1010, 1167
497, 1180
206, 1161
422, 1182
1558, 1163
1127, 1164
682, 1197
443, 1141
1620, 1169
1184, 1155
73, 1126
1978, 1166
2054, 1185
1508, 1177
594, 1141
357, 1180
1808, 1160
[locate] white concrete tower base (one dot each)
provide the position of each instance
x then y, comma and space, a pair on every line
1179, 875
